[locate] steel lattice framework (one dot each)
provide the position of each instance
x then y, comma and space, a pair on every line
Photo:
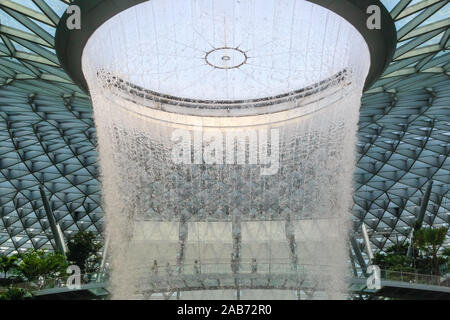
47, 134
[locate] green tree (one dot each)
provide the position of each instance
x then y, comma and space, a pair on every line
399, 248
14, 294
446, 255
429, 241
84, 251
8, 263
36, 263
446, 252
394, 258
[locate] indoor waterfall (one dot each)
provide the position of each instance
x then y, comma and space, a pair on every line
180, 106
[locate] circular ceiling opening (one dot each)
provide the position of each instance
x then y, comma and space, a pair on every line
226, 58
226, 50
236, 50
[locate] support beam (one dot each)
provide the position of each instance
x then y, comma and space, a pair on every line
367, 242
105, 253
355, 272
183, 231
61, 236
358, 255
290, 236
423, 206
418, 223
236, 255
60, 247
104, 256
237, 238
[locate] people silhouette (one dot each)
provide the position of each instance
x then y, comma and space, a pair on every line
196, 267
155, 267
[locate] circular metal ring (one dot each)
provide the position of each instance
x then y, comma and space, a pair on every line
226, 58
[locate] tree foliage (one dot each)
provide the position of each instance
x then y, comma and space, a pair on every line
84, 250
425, 259
394, 259
446, 253
14, 294
8, 263
36, 263
429, 242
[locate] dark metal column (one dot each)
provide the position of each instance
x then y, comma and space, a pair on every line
182, 236
355, 272
236, 255
358, 255
418, 223
290, 236
52, 221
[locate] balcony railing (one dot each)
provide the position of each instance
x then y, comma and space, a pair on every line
415, 278
227, 270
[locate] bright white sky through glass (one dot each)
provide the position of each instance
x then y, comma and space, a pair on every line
226, 49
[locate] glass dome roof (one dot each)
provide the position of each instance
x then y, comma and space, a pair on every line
48, 137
